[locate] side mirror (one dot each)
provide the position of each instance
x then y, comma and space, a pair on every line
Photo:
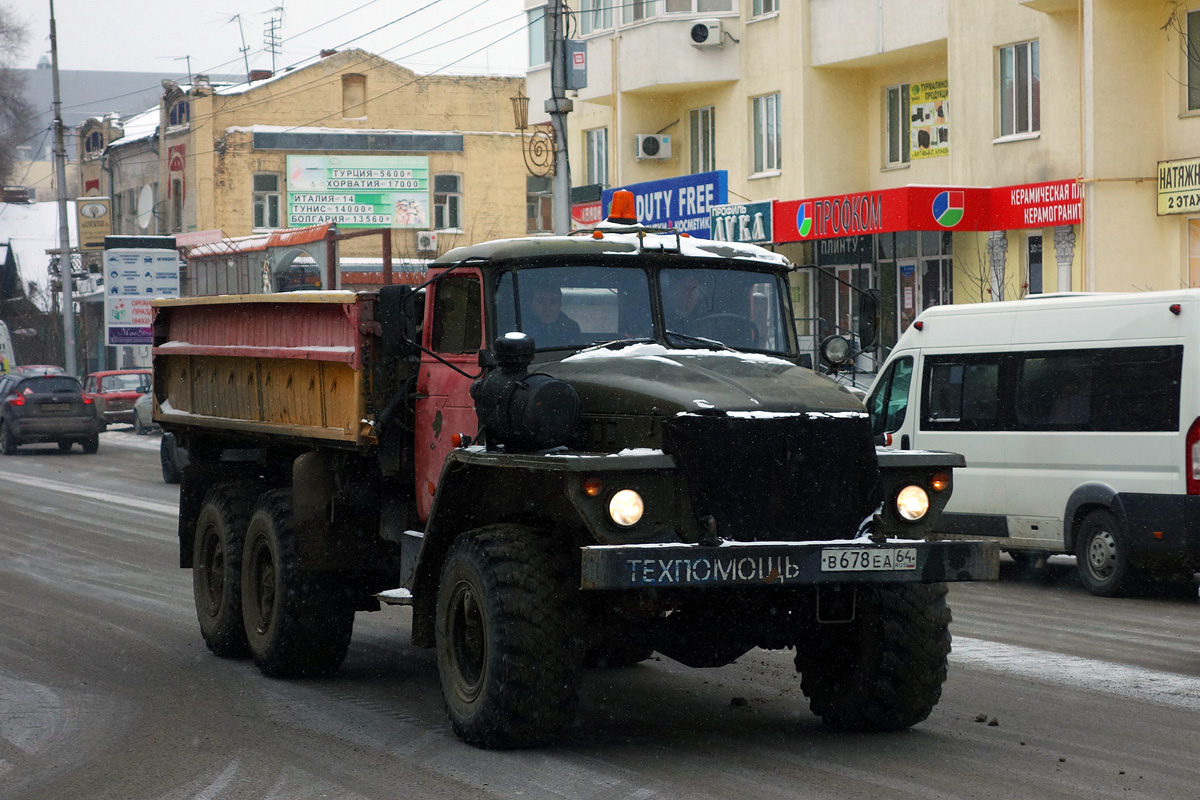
398, 319
869, 303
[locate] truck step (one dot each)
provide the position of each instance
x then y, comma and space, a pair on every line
396, 597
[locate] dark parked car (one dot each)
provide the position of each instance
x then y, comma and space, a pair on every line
46, 408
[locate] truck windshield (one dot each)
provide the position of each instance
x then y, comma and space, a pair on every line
578, 306
743, 309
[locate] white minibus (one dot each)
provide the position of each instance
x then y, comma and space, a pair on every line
6, 350
1079, 417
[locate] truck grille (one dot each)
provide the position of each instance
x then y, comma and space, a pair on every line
785, 478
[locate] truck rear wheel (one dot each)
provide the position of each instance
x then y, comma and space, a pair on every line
504, 632
217, 566
884, 670
295, 628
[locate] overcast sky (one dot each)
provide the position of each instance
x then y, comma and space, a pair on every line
141, 36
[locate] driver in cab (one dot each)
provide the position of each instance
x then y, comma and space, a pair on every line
547, 323
681, 296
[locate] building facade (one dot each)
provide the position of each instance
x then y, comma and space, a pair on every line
938, 150
350, 138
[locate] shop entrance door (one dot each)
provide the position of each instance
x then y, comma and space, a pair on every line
922, 283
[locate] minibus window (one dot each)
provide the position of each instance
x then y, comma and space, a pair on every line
962, 395
889, 404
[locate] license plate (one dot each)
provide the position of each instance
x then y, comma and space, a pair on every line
56, 407
864, 560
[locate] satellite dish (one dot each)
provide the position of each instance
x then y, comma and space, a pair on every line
145, 207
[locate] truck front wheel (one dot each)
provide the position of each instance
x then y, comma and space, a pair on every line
217, 566
504, 632
884, 670
295, 627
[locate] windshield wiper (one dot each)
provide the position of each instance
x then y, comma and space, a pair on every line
616, 344
711, 344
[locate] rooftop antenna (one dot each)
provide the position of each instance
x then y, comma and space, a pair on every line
189, 65
245, 50
272, 35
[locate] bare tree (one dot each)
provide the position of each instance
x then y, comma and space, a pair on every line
16, 113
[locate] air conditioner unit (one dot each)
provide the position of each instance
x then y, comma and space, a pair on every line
427, 241
707, 33
653, 145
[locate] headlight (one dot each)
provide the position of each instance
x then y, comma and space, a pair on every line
626, 507
912, 503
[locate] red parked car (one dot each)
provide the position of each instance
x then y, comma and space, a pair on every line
116, 390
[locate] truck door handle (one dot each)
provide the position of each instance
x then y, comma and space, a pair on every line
904, 442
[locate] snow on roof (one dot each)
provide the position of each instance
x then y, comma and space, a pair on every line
138, 127
32, 229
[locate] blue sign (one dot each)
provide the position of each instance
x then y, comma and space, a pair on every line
684, 204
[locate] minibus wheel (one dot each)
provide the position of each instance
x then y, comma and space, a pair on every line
1102, 555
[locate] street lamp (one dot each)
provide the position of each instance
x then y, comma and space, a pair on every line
539, 148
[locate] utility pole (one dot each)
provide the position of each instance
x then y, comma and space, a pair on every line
64, 233
558, 106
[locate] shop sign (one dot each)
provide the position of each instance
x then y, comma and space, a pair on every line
1037, 205
742, 222
908, 208
137, 269
586, 215
929, 114
93, 220
1179, 186
683, 203
358, 191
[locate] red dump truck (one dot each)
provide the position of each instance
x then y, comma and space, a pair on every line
625, 480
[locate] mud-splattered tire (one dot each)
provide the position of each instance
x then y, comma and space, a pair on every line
884, 671
295, 627
1102, 556
8, 443
504, 628
217, 566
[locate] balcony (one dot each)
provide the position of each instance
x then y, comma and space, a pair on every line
862, 33
1051, 6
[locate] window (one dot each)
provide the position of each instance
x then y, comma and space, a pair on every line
596, 142
447, 201
539, 208
266, 200
539, 37
703, 128
889, 402
457, 319
354, 96
636, 10
762, 7
698, 6
897, 125
1193, 60
766, 133
1020, 92
962, 393
1113, 389
596, 15
94, 143
180, 113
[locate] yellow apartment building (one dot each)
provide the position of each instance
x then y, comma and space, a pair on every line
938, 150
349, 138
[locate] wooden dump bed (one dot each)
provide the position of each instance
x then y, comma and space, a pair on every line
288, 364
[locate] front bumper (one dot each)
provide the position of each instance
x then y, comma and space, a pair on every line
785, 564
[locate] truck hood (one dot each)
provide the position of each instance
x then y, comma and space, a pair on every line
652, 379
